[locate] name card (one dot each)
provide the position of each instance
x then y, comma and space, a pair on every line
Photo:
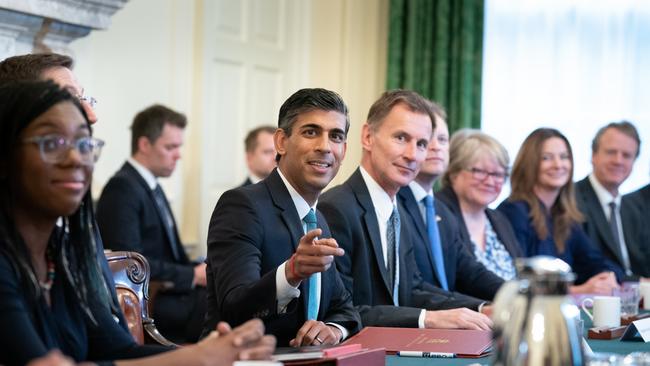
638, 329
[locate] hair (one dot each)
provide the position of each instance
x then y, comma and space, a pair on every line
20, 104
624, 127
251, 138
525, 175
307, 100
150, 122
30, 67
466, 146
412, 100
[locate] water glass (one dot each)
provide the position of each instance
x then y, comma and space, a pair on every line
630, 297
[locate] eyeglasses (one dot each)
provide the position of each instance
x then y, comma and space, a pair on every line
54, 148
481, 175
90, 100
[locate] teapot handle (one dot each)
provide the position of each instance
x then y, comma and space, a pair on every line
584, 308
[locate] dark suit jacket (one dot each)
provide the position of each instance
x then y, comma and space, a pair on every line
464, 273
641, 200
247, 182
253, 230
129, 219
351, 214
499, 222
597, 228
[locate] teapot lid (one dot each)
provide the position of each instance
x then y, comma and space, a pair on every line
543, 267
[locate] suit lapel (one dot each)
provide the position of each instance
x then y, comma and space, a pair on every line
370, 219
412, 209
592, 205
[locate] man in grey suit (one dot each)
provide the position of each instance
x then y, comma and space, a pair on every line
613, 223
379, 267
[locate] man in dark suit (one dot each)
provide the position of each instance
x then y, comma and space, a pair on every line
260, 154
442, 257
134, 214
641, 199
58, 68
613, 224
379, 266
270, 252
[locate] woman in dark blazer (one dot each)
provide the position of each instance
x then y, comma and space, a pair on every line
478, 167
543, 212
52, 295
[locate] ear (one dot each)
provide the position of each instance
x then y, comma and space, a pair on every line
144, 145
366, 137
280, 140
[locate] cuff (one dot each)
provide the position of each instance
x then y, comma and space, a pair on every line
344, 332
284, 291
421, 318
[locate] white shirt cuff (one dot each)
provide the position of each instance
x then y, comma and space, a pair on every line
344, 332
423, 315
284, 291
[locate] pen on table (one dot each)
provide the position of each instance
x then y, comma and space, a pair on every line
426, 354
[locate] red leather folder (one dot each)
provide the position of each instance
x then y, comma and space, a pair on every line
365, 357
462, 343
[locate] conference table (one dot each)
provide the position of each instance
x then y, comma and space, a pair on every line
598, 346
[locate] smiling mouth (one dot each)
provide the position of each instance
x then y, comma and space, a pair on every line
320, 164
405, 168
70, 184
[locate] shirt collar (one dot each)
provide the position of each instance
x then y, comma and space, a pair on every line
418, 192
145, 173
382, 202
603, 194
301, 205
254, 178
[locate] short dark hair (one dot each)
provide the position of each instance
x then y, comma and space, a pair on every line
624, 127
151, 121
307, 100
412, 100
251, 138
30, 67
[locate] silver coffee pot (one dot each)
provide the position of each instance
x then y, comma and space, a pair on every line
535, 322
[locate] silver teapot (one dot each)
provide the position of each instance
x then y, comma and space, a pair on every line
535, 322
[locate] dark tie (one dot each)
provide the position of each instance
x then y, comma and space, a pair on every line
434, 241
161, 202
613, 224
312, 297
392, 249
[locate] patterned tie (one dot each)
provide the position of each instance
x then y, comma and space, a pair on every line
613, 224
434, 241
161, 202
392, 248
312, 297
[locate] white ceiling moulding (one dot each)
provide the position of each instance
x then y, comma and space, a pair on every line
50, 25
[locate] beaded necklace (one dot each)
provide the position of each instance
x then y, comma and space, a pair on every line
49, 257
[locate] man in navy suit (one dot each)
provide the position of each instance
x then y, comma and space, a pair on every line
270, 252
134, 214
260, 154
379, 267
613, 223
460, 270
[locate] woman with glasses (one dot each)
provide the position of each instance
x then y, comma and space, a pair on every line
52, 295
478, 167
542, 210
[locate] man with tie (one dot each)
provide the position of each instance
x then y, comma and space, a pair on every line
613, 224
270, 252
442, 257
379, 267
134, 214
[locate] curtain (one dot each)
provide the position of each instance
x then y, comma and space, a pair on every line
435, 47
574, 65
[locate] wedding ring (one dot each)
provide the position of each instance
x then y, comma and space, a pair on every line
319, 340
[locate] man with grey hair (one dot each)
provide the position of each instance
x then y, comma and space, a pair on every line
613, 224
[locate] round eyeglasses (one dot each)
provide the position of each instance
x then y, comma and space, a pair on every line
481, 175
54, 148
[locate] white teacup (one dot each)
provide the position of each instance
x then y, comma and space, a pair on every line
606, 310
644, 291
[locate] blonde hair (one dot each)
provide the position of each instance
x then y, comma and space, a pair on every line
525, 175
466, 146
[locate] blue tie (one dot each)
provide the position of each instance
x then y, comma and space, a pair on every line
312, 297
392, 249
434, 241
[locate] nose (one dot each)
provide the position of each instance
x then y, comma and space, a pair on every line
90, 112
323, 144
71, 157
410, 151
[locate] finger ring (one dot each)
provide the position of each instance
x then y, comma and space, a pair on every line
319, 340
